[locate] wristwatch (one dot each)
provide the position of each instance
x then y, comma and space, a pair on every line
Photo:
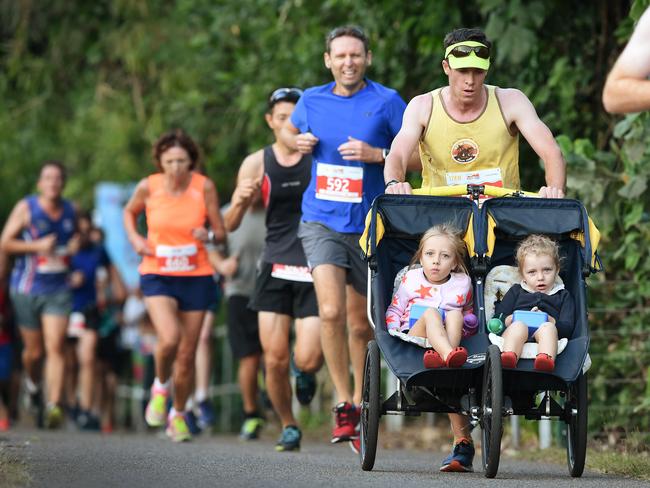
390, 183
384, 153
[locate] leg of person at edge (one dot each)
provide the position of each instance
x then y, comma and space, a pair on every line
470, 133
177, 291
41, 233
348, 153
239, 270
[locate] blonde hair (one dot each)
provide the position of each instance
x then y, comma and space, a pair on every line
454, 236
539, 245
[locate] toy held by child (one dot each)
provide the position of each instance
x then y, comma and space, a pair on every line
538, 259
442, 291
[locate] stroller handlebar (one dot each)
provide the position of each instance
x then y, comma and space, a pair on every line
459, 190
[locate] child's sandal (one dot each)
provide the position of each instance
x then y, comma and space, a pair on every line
457, 357
509, 359
432, 359
544, 362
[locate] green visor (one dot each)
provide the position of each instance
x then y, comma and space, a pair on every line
468, 54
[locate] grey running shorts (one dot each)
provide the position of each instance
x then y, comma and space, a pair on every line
322, 245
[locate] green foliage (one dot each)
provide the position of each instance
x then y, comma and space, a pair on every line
613, 184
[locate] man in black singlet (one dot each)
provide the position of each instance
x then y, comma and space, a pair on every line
284, 288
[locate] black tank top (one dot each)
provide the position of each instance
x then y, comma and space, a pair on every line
282, 190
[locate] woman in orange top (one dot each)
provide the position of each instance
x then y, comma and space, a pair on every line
176, 277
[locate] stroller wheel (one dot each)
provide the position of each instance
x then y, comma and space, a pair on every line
576, 412
492, 411
370, 409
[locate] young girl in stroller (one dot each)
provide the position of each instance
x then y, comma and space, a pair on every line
432, 299
538, 259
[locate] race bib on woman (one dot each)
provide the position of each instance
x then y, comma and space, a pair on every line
339, 183
176, 259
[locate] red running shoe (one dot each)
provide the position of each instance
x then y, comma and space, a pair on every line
346, 419
544, 362
457, 357
508, 359
432, 359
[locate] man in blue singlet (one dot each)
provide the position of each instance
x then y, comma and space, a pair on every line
346, 125
41, 233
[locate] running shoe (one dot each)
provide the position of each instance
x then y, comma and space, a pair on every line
346, 420
192, 423
156, 413
305, 384
250, 429
54, 416
177, 429
4, 425
35, 407
305, 387
207, 417
87, 421
355, 445
289, 439
461, 458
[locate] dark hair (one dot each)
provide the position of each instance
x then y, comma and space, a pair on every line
176, 138
464, 34
347, 30
56, 164
289, 94
83, 214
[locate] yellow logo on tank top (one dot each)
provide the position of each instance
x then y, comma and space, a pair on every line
464, 151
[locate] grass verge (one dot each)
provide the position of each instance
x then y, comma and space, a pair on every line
620, 463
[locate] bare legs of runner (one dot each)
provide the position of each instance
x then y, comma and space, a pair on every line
87, 361
274, 336
249, 366
338, 303
178, 335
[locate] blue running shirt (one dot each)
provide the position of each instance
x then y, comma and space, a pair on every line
341, 192
35, 274
88, 260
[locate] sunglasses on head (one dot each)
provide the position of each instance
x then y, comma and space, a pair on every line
464, 51
281, 94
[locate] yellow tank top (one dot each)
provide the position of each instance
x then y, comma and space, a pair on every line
482, 151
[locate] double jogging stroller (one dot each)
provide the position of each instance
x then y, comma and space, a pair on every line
480, 388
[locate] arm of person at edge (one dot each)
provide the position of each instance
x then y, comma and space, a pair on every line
519, 111
404, 148
627, 88
352, 150
17, 221
249, 183
134, 207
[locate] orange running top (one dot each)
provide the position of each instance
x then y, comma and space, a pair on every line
170, 221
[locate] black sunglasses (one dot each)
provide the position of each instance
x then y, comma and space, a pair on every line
464, 51
281, 94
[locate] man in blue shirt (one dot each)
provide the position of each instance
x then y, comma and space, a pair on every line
346, 125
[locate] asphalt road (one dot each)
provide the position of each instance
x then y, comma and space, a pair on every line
71, 459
